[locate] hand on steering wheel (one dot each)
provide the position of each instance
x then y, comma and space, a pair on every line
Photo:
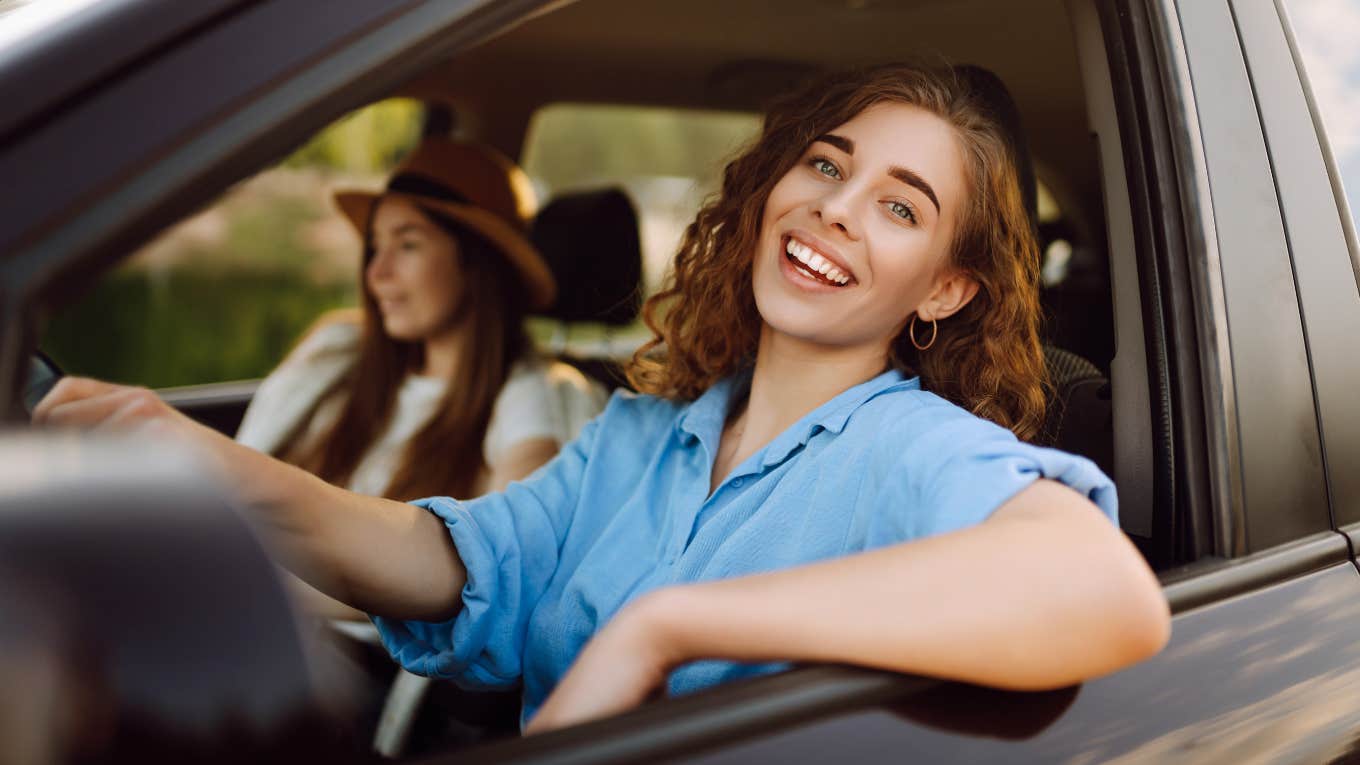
79, 402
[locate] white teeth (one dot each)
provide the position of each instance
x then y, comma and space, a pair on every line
815, 262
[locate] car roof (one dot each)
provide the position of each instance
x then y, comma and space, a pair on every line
725, 54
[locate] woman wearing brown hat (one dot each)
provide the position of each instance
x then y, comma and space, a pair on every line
431, 388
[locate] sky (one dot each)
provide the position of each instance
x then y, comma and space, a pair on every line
1328, 34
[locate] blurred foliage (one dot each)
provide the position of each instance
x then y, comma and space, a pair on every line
188, 327
370, 140
569, 145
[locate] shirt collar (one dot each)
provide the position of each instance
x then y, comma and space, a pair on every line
703, 419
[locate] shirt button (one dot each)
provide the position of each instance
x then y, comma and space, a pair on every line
737, 483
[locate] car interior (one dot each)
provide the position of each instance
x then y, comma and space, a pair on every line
1044, 67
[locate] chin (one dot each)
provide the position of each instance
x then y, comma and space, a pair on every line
786, 312
400, 331
787, 315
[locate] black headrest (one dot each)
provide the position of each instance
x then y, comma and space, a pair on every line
590, 240
996, 99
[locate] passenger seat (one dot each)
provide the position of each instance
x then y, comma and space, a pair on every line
590, 241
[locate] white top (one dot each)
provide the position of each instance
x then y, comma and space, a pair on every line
540, 399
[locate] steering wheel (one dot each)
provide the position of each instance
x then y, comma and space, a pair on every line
43, 374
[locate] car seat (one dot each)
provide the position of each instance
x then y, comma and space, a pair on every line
590, 241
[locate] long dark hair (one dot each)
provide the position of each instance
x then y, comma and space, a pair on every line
987, 358
445, 456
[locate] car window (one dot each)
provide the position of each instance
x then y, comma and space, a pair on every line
1325, 33
224, 294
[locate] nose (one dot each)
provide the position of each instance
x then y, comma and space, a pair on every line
379, 265
835, 207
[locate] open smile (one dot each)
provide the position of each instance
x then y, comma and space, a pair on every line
815, 265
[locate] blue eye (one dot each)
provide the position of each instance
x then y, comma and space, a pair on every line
825, 167
903, 211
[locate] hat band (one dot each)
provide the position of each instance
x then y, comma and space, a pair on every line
423, 186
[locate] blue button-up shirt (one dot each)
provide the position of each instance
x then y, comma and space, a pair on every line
625, 509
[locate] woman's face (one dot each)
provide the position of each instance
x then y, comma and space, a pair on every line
413, 275
855, 237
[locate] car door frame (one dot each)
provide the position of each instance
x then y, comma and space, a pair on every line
1322, 243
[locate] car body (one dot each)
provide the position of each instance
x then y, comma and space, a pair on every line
1208, 190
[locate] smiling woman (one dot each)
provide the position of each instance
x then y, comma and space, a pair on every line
951, 223
439, 363
789, 457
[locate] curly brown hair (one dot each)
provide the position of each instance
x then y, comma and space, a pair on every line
987, 357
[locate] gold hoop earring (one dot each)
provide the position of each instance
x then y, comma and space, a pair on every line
934, 332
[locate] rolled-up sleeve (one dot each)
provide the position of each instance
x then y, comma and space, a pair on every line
959, 472
509, 544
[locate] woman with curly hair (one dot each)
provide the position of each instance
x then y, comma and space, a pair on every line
827, 461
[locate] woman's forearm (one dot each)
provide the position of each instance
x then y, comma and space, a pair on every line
380, 556
1044, 594
384, 557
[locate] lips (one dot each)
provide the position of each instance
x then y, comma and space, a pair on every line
387, 304
815, 261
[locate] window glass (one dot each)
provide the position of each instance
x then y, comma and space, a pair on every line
224, 294
1326, 34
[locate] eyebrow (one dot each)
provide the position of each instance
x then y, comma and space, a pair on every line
409, 227
900, 173
912, 179
839, 141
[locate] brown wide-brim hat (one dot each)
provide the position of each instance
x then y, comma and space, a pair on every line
475, 186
